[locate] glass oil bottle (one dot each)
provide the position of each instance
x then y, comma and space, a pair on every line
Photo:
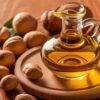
71, 54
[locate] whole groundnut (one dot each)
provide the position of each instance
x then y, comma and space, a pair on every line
7, 58
51, 23
4, 34
25, 97
34, 38
23, 22
9, 82
15, 44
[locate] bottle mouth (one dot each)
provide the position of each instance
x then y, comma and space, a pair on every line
71, 9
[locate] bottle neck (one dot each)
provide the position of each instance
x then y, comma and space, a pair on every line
71, 29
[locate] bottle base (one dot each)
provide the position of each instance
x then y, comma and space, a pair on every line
71, 75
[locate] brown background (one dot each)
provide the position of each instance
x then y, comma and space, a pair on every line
9, 8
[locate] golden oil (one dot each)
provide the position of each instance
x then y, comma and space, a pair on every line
68, 60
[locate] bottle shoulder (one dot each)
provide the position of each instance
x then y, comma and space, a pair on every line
55, 44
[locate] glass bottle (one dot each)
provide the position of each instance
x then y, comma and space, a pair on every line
71, 54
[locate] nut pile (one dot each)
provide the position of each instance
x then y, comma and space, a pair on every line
27, 36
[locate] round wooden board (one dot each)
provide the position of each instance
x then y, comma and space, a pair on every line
52, 88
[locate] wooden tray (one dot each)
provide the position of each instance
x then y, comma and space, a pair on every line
52, 88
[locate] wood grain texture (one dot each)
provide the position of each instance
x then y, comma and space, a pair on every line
36, 7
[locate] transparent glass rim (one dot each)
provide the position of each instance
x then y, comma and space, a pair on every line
80, 13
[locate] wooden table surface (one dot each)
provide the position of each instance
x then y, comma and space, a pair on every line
9, 8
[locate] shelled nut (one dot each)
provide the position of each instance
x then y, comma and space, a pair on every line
34, 38
15, 44
7, 58
4, 34
3, 71
25, 97
23, 22
9, 82
32, 71
51, 23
